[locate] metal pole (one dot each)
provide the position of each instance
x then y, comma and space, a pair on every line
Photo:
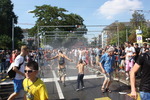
126, 35
12, 33
38, 41
118, 33
102, 37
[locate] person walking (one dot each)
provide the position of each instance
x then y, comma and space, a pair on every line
129, 60
34, 87
19, 72
106, 65
80, 68
142, 62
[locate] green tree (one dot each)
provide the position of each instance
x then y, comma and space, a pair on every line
53, 16
6, 15
6, 18
5, 42
138, 21
112, 33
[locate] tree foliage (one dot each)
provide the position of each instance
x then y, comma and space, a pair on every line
6, 15
5, 42
112, 34
53, 16
138, 21
6, 18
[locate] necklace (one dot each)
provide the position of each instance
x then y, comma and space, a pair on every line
28, 86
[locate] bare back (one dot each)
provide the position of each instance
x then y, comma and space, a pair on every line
81, 68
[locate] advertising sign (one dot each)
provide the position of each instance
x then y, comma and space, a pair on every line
139, 38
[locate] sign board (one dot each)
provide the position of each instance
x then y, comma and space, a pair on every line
138, 31
139, 38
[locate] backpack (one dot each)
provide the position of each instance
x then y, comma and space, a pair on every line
61, 60
11, 73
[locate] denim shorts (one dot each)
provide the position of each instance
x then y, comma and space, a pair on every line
145, 95
17, 85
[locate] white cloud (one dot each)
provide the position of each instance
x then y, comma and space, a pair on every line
114, 7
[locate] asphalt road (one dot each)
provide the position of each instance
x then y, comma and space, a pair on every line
57, 91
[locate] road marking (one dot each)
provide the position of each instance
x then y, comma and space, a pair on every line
7, 82
122, 92
71, 78
4, 79
103, 98
138, 98
122, 81
61, 96
53, 79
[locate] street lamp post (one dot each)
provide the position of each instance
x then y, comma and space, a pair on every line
126, 35
12, 33
118, 34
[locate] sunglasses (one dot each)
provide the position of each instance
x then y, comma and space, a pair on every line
29, 71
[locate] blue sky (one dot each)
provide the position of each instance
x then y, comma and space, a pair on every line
94, 12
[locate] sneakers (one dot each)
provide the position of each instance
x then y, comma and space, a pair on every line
83, 87
127, 78
77, 90
80, 89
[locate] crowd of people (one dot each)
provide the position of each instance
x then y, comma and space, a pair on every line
121, 59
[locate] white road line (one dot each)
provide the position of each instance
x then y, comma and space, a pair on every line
53, 79
71, 78
61, 96
122, 92
122, 81
7, 82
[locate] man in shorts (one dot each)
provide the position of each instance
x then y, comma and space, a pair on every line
106, 65
19, 72
129, 60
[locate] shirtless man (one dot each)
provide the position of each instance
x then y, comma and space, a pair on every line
80, 68
61, 66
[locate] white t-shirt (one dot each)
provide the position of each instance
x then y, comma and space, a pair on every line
18, 60
129, 51
75, 52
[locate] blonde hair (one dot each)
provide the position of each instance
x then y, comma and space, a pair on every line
24, 47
